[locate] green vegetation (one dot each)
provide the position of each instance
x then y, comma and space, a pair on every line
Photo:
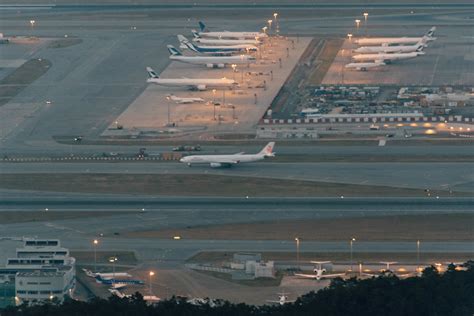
451, 293
199, 185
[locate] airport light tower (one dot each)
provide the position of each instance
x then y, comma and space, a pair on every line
32, 24
269, 25
297, 239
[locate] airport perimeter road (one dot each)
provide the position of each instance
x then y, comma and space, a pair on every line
444, 176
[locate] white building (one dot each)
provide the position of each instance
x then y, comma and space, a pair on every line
41, 270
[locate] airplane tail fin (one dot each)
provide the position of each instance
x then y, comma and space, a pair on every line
431, 32
182, 39
173, 51
195, 34
151, 73
267, 151
202, 26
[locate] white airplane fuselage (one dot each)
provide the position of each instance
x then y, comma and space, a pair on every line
200, 84
386, 49
211, 61
225, 42
237, 35
385, 57
391, 40
221, 159
363, 66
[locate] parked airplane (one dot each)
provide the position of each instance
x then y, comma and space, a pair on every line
386, 58
396, 40
319, 272
180, 100
364, 66
197, 84
217, 161
4, 40
391, 49
282, 299
212, 41
210, 61
91, 274
216, 49
227, 34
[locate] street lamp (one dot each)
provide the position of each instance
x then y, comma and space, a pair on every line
366, 15
297, 239
351, 242
357, 23
349, 36
264, 29
150, 274
95, 243
269, 25
418, 253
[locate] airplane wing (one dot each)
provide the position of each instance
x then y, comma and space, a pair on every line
307, 276
326, 276
118, 286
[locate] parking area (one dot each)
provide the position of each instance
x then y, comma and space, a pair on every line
223, 110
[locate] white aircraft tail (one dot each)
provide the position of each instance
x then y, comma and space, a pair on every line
267, 151
431, 32
151, 73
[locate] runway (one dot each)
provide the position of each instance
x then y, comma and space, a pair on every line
441, 176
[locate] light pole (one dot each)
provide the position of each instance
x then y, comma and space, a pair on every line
366, 15
214, 102
350, 37
233, 71
351, 242
169, 116
32, 23
113, 260
297, 239
357, 21
150, 274
269, 25
418, 254
277, 25
95, 243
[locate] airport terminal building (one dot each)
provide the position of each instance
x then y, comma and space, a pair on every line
41, 270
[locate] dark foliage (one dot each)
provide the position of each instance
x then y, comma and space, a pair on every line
450, 293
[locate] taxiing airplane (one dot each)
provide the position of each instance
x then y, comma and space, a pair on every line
195, 84
180, 100
364, 66
386, 58
213, 41
227, 34
390, 49
210, 61
396, 40
282, 299
216, 161
319, 270
114, 282
185, 43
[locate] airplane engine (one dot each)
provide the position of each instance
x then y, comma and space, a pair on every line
210, 65
215, 165
220, 65
201, 87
